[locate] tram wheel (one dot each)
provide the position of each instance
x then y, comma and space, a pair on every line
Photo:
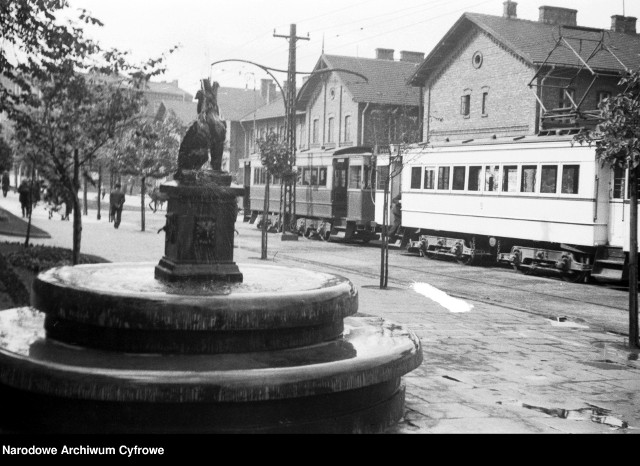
574, 277
464, 260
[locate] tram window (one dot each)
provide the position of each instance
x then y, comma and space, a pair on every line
416, 177
570, 179
339, 178
355, 177
322, 179
474, 178
429, 173
443, 177
549, 178
458, 178
314, 176
509, 178
528, 180
618, 182
306, 176
491, 176
382, 176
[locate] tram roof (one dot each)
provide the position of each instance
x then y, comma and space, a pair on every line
530, 139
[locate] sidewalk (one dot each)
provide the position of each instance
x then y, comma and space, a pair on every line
489, 369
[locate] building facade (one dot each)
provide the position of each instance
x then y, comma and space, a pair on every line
501, 76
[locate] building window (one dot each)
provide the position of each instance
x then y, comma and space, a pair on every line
330, 131
316, 131
509, 178
416, 177
602, 96
443, 177
485, 102
302, 135
465, 105
429, 173
566, 98
570, 179
476, 60
459, 174
528, 180
347, 128
332, 93
491, 178
474, 178
548, 179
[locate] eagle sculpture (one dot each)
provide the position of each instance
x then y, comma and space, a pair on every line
206, 135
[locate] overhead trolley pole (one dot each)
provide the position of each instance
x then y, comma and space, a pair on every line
289, 201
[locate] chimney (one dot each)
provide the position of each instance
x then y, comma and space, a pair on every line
175, 82
384, 54
558, 16
412, 57
626, 24
264, 89
509, 9
272, 92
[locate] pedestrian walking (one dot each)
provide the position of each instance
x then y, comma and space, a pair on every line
24, 192
6, 183
116, 202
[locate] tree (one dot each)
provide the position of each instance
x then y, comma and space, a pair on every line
391, 126
275, 156
6, 155
34, 43
617, 143
149, 149
78, 114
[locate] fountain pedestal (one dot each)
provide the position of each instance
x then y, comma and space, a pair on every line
199, 231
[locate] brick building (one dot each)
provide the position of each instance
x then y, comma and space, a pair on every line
496, 76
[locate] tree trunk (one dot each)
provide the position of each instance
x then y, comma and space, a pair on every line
28, 235
99, 190
143, 188
384, 247
77, 217
265, 217
85, 207
633, 259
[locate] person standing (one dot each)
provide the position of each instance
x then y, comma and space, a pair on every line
5, 183
116, 202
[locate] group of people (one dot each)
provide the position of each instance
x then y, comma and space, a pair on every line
58, 200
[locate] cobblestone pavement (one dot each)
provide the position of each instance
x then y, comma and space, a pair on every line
493, 369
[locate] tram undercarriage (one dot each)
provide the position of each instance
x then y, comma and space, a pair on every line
570, 263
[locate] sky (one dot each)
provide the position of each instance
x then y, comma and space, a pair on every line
208, 31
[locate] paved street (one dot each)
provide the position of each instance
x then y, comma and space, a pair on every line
503, 352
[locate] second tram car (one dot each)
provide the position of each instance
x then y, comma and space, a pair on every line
535, 202
334, 196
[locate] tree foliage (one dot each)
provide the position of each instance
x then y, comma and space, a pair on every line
617, 137
276, 156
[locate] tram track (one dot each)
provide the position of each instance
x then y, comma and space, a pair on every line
539, 303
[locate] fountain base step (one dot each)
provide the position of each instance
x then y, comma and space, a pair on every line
348, 384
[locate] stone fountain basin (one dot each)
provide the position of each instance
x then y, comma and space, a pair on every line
371, 351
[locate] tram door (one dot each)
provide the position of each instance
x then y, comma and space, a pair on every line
339, 191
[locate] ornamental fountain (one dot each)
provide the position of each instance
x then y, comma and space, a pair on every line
197, 343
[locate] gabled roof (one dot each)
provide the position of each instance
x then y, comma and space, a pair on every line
387, 80
234, 103
533, 41
170, 88
186, 112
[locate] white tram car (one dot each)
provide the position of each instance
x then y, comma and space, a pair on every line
334, 196
535, 202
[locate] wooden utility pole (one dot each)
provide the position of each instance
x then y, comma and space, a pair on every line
633, 257
289, 195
